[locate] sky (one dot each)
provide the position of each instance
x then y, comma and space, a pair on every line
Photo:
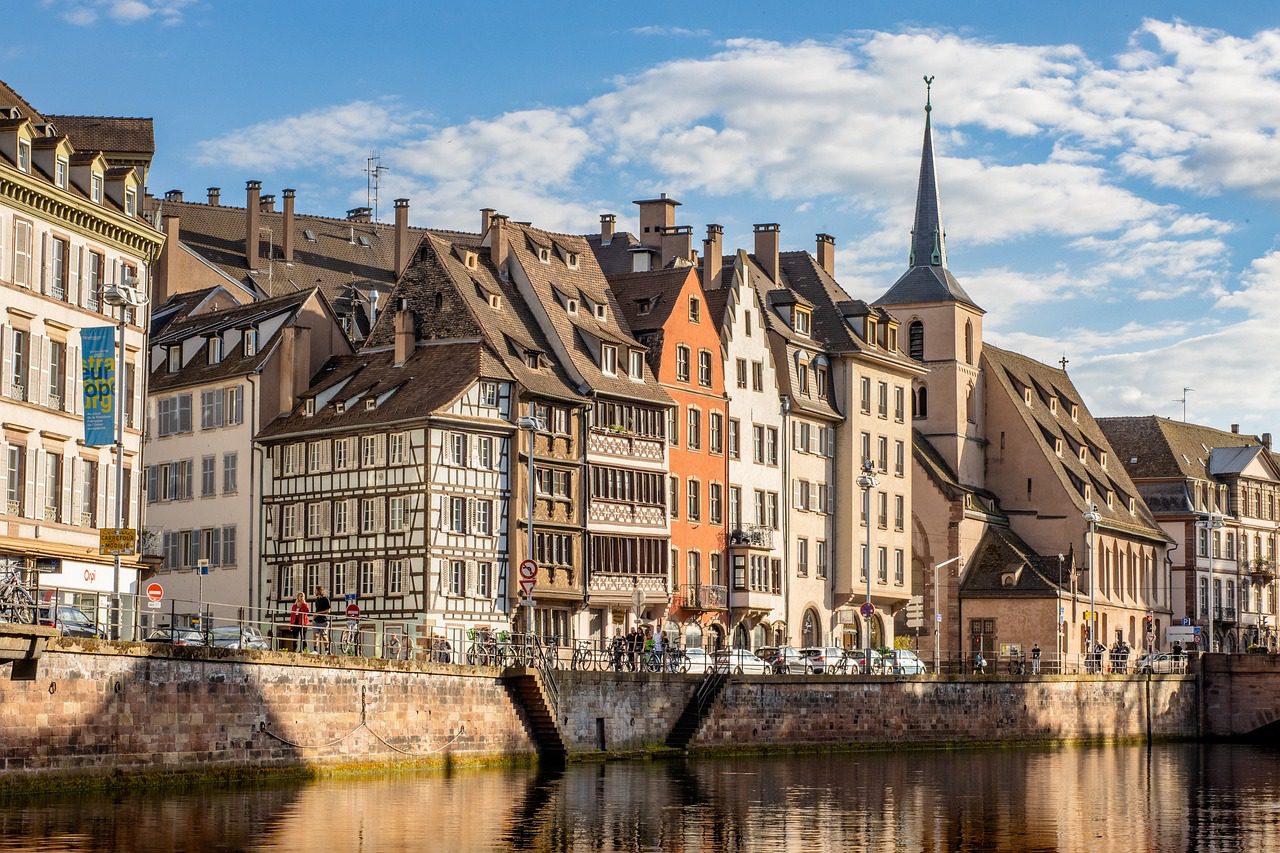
1109, 171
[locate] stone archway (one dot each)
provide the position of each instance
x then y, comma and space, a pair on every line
810, 629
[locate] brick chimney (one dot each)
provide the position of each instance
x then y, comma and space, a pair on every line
826, 253
712, 256
656, 216
767, 248
267, 203
607, 223
168, 259
252, 245
286, 239
295, 366
173, 195
360, 214
404, 332
486, 213
402, 235
498, 243
1266, 440
215, 196
677, 242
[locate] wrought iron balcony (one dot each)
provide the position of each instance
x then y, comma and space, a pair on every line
751, 536
706, 597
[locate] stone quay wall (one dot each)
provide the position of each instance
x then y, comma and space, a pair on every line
111, 709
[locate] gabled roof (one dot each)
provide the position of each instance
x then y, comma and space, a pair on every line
1013, 374
1004, 565
942, 476
615, 258
112, 134
657, 289
1153, 447
433, 377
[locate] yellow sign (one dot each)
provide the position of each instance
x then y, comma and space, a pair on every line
117, 541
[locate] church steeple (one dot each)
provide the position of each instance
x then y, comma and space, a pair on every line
928, 240
927, 278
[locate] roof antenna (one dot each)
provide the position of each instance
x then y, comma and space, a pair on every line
1183, 401
374, 169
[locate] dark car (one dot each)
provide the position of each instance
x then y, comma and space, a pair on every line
176, 636
237, 637
71, 621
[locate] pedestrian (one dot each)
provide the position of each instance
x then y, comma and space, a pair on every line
1035, 659
617, 648
658, 646
320, 625
1177, 648
298, 619
633, 648
979, 663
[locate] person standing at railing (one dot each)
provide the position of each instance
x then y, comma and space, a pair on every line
1035, 659
320, 629
298, 619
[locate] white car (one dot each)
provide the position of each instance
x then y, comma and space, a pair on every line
903, 662
740, 662
825, 659
699, 660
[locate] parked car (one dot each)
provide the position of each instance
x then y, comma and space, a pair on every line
699, 660
1161, 663
739, 662
176, 636
904, 662
823, 659
868, 661
71, 621
237, 637
787, 660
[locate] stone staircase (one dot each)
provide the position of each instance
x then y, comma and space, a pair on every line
697, 709
534, 693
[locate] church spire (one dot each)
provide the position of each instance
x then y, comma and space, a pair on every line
928, 241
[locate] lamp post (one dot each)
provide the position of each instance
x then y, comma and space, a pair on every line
533, 426
1093, 517
937, 612
1209, 524
867, 481
124, 296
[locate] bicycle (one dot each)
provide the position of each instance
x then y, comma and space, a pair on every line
583, 659
349, 644
16, 603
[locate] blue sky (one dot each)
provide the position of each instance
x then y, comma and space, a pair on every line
1109, 171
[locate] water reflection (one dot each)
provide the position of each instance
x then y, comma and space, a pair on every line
1170, 798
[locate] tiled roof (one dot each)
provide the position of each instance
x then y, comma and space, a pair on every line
1012, 374
589, 280
115, 134
510, 329
615, 258
176, 307
1004, 565
937, 470
9, 97
432, 378
1151, 446
658, 290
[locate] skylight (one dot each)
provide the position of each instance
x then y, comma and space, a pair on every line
309, 234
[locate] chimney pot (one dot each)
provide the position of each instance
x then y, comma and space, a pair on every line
712, 256
607, 223
486, 214
767, 248
173, 195
402, 235
677, 242
1266, 440
360, 214
267, 203
826, 253
1235, 429
252, 241
286, 239
215, 196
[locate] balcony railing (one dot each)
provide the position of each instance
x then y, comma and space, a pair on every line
706, 597
751, 536
617, 443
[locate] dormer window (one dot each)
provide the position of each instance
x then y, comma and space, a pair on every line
1084, 456
471, 260
602, 312
95, 188
872, 332
1026, 396
340, 407
637, 365
24, 155
1102, 459
1133, 506
1111, 500
1053, 406
1088, 493
60, 173
803, 322
215, 349
572, 260
495, 301
370, 404
1057, 446
174, 359
571, 306
609, 359
695, 310
532, 360
130, 202
250, 342
309, 407
544, 255
1075, 412
893, 338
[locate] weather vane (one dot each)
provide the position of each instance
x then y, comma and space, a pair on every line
928, 91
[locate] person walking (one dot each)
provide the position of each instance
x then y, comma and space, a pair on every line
298, 619
1035, 659
320, 626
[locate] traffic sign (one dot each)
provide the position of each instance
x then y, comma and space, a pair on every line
529, 569
117, 541
938, 617
1186, 620
353, 611
637, 598
155, 592
526, 587
203, 566
867, 610
915, 612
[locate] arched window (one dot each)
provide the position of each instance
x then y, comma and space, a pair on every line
915, 340
968, 342
740, 639
759, 636
968, 405
920, 403
810, 634
693, 635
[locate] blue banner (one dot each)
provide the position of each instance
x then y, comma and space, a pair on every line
98, 365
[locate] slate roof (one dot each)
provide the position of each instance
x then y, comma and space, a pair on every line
1012, 374
114, 134
1155, 447
615, 258
1001, 553
510, 330
658, 289
433, 377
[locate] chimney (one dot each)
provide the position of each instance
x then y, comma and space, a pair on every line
767, 249
486, 213
168, 277
267, 204
826, 253
295, 366
173, 195
1235, 429
607, 223
360, 214
215, 196
677, 242
404, 332
1266, 440
656, 216
712, 256
402, 235
286, 239
498, 243
252, 245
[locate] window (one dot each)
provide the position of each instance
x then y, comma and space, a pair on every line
229, 545
174, 414
371, 515
60, 172
208, 476
695, 500
341, 519
292, 462
882, 501
22, 252
714, 503
757, 440
211, 409
53, 486
484, 518
695, 310
15, 480
173, 359
344, 453
682, 363
865, 385
704, 368
882, 399
716, 440
773, 510
637, 364
695, 428
93, 281
673, 426
24, 155
802, 373
899, 511
802, 557
693, 575
399, 448
130, 202
290, 528
95, 188
735, 507
458, 515
735, 427
485, 448
57, 373
371, 450
882, 453
820, 380
899, 459
458, 449
58, 252
484, 574
742, 373
609, 359
915, 340
228, 473
89, 494
673, 499
746, 321
882, 564
317, 520
757, 376
761, 511
803, 322
773, 445
820, 567
395, 577
457, 577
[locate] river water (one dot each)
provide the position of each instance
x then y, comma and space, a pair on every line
1181, 797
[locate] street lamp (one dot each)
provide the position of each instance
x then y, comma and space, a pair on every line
937, 615
124, 296
1211, 522
1093, 517
867, 481
533, 426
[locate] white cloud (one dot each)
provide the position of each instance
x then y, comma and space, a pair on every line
83, 13
655, 30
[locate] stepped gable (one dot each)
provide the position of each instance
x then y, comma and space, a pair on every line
1014, 374
554, 281
510, 329
431, 379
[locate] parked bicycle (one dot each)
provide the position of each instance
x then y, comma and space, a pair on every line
16, 603
349, 644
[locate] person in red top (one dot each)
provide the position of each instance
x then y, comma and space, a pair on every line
298, 619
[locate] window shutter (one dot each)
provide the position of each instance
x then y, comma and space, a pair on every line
831, 500
379, 515
75, 381
6, 362
795, 494
379, 577
816, 437
36, 475
45, 266
351, 583
326, 519
469, 578
816, 494
40, 376
70, 510
4, 474
380, 449
189, 466
75, 286
33, 479
831, 441
795, 436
